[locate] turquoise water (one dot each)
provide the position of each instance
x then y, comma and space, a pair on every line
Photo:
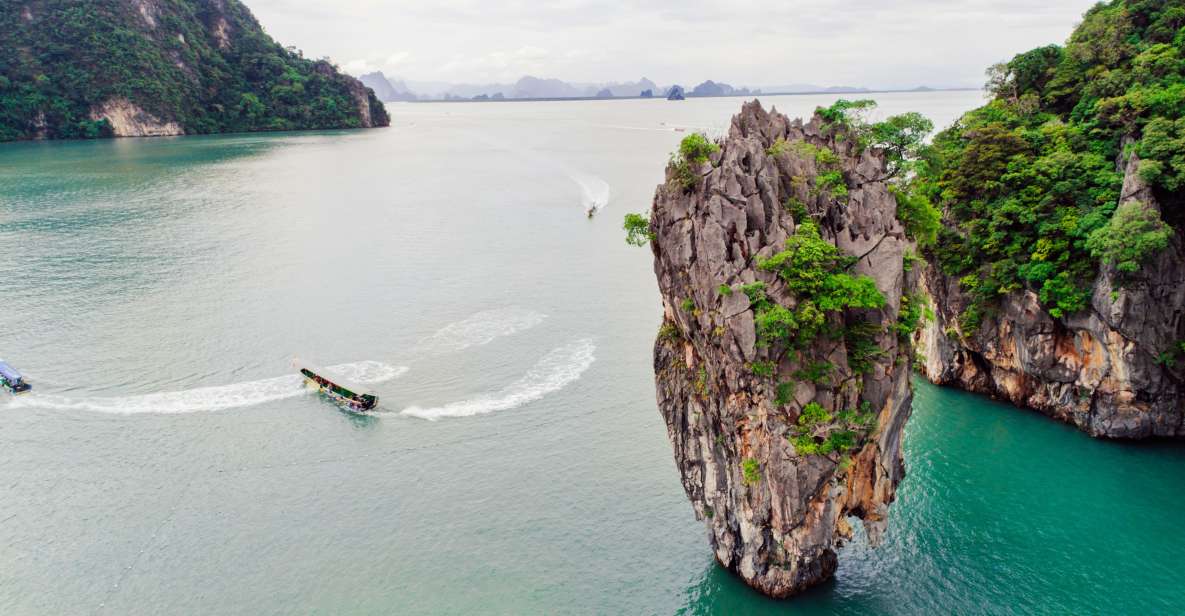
156, 290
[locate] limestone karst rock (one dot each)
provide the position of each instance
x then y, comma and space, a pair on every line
1100, 369
779, 444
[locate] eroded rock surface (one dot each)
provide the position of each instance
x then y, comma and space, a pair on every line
777, 523
128, 120
1102, 369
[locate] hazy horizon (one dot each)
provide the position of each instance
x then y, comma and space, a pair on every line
755, 44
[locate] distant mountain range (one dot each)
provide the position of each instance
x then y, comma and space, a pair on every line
392, 89
387, 90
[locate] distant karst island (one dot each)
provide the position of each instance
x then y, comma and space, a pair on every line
392, 89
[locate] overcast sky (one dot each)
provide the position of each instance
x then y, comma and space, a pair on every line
874, 43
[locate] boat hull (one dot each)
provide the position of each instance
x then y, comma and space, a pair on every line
18, 390
336, 398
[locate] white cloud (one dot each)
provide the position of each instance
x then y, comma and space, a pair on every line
357, 67
743, 42
397, 58
498, 65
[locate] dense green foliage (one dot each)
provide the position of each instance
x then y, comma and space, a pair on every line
696, 148
637, 229
1133, 233
1028, 183
920, 218
818, 432
763, 369
846, 113
64, 58
815, 271
751, 470
817, 372
910, 316
900, 140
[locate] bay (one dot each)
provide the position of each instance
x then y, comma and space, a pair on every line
155, 291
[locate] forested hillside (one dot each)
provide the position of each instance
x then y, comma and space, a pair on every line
100, 68
1030, 183
1058, 277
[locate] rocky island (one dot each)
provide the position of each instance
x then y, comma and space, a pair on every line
1058, 281
782, 363
130, 68
1034, 252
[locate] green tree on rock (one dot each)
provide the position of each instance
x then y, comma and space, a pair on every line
1133, 235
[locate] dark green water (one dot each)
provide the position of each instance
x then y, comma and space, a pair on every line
155, 291
1006, 512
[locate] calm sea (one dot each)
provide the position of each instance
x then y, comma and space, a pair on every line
155, 292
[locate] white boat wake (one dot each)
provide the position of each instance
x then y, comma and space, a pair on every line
555, 371
594, 192
215, 398
480, 329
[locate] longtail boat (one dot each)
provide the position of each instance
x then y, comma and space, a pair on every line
352, 396
12, 380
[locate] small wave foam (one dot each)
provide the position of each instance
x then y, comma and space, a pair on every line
216, 398
555, 371
366, 372
481, 328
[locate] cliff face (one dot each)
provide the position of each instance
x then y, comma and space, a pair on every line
1058, 277
752, 431
118, 68
1103, 369
126, 119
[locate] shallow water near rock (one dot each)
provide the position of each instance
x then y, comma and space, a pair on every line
154, 291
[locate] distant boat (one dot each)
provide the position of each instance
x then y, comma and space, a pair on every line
354, 397
12, 380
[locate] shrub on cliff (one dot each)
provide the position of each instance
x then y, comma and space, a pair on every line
637, 229
1133, 234
696, 148
815, 271
919, 217
900, 140
817, 432
1163, 152
898, 137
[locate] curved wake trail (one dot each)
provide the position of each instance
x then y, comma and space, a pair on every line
594, 192
480, 329
555, 371
477, 330
216, 398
